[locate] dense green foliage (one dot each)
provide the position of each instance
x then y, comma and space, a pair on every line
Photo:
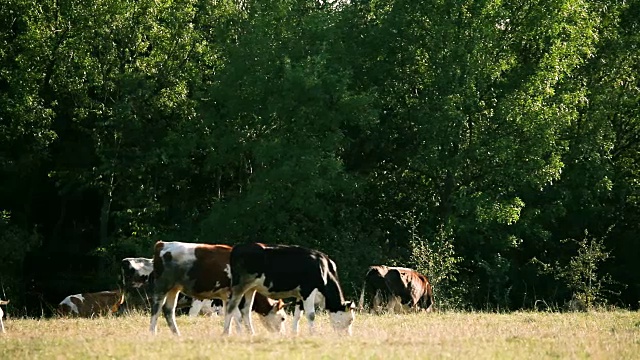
492, 145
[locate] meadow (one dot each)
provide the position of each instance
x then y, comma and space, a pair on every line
444, 335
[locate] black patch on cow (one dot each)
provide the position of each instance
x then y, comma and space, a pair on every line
398, 285
375, 284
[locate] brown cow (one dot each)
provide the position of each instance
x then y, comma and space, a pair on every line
396, 286
201, 271
2, 302
91, 304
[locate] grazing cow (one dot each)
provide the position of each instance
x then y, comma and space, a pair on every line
283, 271
202, 272
396, 286
2, 302
90, 304
136, 275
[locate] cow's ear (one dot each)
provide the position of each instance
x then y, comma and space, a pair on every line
349, 305
278, 305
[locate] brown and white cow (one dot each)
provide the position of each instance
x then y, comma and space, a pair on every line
283, 271
202, 272
2, 302
91, 304
396, 286
136, 275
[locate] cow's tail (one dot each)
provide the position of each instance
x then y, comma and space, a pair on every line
364, 287
158, 263
361, 301
429, 304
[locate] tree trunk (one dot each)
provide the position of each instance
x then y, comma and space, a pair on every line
105, 211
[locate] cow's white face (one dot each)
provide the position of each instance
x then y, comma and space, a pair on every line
140, 269
342, 321
274, 321
70, 305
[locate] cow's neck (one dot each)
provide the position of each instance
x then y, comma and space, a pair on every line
333, 295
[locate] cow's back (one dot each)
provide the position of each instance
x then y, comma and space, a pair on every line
100, 303
275, 261
376, 276
397, 284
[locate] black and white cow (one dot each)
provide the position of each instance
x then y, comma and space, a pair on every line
284, 271
2, 302
202, 272
136, 272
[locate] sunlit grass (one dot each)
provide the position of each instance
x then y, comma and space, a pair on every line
596, 335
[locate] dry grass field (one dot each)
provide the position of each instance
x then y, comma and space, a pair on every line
450, 335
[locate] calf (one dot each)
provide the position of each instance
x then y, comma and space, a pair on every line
396, 286
202, 272
90, 304
283, 271
2, 302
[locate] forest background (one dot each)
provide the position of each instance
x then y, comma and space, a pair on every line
491, 145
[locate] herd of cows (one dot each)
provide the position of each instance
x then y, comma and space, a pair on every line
247, 278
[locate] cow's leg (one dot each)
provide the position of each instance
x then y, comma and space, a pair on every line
394, 303
237, 319
310, 308
297, 313
237, 293
223, 307
236, 316
376, 302
158, 302
245, 312
391, 304
1, 323
169, 310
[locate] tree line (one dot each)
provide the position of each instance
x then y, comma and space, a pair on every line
491, 145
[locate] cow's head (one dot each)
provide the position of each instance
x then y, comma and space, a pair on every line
70, 305
342, 320
136, 271
274, 320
